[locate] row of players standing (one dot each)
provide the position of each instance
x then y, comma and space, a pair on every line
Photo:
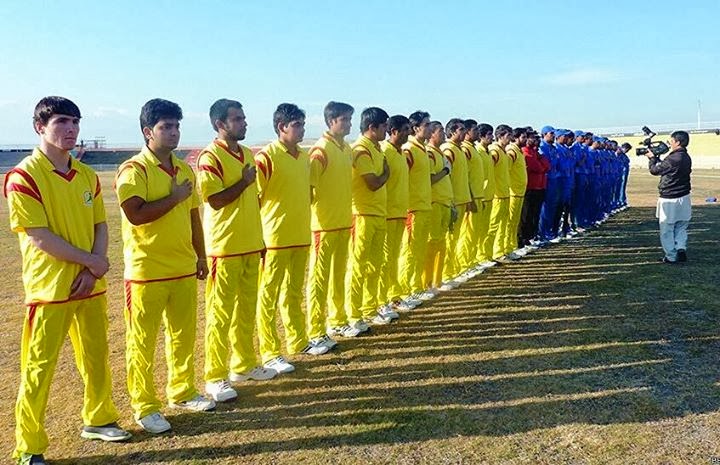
399, 220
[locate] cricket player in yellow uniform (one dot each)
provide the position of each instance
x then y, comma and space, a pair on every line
501, 201
471, 222
56, 208
331, 220
455, 134
442, 203
485, 138
518, 184
233, 243
369, 175
397, 192
417, 228
284, 184
164, 255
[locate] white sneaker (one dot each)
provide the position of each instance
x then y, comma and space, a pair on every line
316, 347
256, 374
344, 331
387, 311
488, 264
461, 278
381, 320
361, 326
329, 342
427, 295
220, 391
279, 365
556, 240
580, 230
414, 300
402, 305
154, 423
514, 256
199, 403
448, 286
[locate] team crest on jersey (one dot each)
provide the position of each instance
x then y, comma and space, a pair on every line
87, 198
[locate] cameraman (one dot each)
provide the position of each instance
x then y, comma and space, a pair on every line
673, 206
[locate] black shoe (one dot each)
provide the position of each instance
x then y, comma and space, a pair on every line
681, 255
667, 260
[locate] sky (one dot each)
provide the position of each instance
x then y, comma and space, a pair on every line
580, 65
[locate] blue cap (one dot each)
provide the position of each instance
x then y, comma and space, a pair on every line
562, 132
597, 139
547, 129
579, 133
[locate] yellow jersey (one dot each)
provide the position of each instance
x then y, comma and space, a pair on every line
234, 229
284, 184
420, 166
476, 174
459, 173
442, 191
69, 205
397, 189
488, 170
367, 159
517, 169
161, 249
330, 180
502, 173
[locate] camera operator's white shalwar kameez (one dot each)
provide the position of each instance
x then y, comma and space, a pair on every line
674, 217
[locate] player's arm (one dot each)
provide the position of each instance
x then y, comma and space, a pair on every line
198, 243
56, 246
229, 195
374, 181
138, 211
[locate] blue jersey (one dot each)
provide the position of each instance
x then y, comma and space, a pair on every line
549, 151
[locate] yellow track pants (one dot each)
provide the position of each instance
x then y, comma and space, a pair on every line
516, 204
43, 335
390, 288
174, 302
435, 256
326, 276
283, 276
231, 315
484, 251
415, 250
452, 266
498, 226
368, 242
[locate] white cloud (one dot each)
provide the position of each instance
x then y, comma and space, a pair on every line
584, 76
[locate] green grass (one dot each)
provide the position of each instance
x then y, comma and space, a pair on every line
587, 352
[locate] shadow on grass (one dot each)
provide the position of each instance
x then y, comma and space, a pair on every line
593, 331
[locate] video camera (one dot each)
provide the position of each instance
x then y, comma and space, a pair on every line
657, 148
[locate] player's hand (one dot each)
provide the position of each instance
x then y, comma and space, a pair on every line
202, 268
83, 284
386, 167
249, 173
472, 207
181, 191
98, 265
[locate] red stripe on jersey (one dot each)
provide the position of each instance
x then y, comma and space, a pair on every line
263, 162
409, 158
12, 187
316, 242
98, 187
28, 179
66, 176
319, 154
210, 169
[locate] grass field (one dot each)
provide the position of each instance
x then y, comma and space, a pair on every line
587, 352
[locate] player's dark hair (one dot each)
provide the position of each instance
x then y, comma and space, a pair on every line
453, 125
219, 110
484, 130
158, 109
335, 110
396, 123
47, 107
372, 117
416, 118
285, 114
